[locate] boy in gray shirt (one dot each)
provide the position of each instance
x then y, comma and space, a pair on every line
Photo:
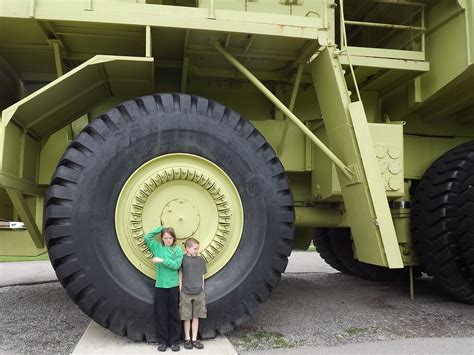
192, 304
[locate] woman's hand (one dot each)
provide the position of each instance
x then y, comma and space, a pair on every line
156, 260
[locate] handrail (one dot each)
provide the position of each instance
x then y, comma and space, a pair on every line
385, 25
421, 30
344, 43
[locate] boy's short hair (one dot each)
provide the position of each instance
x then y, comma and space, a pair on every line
190, 242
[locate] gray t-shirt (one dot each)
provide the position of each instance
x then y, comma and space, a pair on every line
193, 268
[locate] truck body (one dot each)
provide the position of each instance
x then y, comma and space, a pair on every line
255, 126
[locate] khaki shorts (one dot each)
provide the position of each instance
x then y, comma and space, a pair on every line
192, 306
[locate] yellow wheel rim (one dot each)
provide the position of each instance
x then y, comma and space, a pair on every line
186, 192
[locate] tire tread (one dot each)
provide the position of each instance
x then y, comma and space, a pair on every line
441, 224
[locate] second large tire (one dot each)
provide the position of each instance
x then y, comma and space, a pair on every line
322, 243
442, 220
340, 255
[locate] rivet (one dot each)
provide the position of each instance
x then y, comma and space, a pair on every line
380, 150
394, 168
394, 183
394, 152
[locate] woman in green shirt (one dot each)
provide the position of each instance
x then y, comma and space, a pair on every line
167, 257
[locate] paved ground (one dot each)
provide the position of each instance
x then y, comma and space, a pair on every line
396, 347
97, 340
318, 311
26, 272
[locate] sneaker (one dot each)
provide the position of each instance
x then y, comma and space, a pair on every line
188, 344
175, 347
162, 347
197, 344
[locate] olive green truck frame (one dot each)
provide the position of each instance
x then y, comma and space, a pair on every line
356, 98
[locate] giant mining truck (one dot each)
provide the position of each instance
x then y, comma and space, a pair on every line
254, 126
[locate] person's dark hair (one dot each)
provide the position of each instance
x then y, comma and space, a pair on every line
190, 242
171, 232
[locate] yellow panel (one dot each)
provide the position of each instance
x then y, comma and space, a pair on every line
10, 162
31, 157
73, 94
50, 153
388, 144
18, 243
292, 156
5, 206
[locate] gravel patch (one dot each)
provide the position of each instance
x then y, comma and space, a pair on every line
321, 309
39, 319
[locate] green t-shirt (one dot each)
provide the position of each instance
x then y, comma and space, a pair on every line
167, 271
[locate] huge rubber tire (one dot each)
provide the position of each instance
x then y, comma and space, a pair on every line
341, 245
323, 247
442, 221
81, 201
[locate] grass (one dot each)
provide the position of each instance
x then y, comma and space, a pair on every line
259, 339
9, 258
355, 330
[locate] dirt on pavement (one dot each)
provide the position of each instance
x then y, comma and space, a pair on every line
327, 309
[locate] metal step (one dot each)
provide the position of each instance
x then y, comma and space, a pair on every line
12, 225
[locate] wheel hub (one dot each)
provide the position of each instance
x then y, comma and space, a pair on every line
185, 192
183, 216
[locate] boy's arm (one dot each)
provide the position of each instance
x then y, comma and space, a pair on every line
175, 263
180, 274
150, 236
204, 270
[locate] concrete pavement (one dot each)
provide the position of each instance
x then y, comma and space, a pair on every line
458, 346
304, 262
26, 273
97, 340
